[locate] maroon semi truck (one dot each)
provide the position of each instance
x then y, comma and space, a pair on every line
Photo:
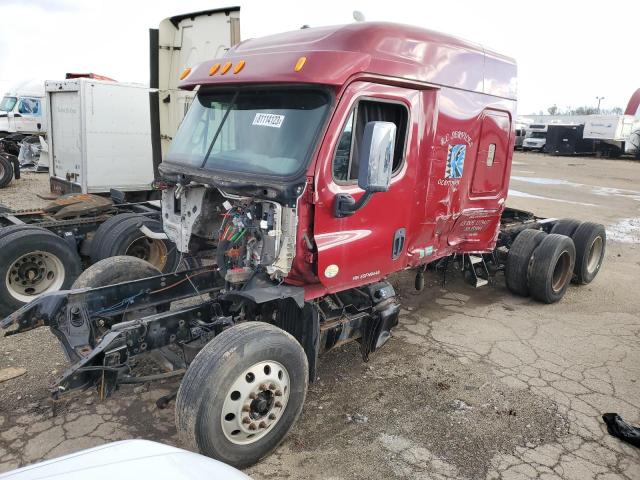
311, 166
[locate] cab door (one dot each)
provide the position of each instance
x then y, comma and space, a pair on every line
370, 243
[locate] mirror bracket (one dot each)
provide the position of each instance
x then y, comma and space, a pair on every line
345, 205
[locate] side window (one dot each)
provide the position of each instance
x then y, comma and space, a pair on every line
343, 151
29, 106
346, 158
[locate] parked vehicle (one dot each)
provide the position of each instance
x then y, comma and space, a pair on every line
20, 117
535, 138
315, 163
519, 140
125, 459
21, 109
568, 140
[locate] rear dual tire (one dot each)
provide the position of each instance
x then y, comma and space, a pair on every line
518, 260
34, 262
543, 265
121, 235
590, 240
551, 268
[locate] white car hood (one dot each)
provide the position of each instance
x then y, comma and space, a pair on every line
129, 459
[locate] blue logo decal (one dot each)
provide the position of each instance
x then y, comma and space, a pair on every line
455, 161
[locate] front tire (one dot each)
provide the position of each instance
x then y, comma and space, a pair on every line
242, 393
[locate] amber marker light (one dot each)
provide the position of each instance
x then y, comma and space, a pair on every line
300, 63
239, 67
214, 68
226, 68
185, 73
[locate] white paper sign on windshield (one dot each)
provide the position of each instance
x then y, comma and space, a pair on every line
268, 120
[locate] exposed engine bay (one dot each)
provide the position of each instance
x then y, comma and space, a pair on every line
248, 235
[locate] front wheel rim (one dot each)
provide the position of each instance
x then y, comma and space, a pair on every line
255, 402
33, 274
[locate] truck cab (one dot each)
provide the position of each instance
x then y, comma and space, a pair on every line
21, 109
277, 133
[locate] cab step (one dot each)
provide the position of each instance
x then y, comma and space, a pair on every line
476, 271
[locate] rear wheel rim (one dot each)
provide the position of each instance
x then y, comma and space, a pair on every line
33, 274
256, 402
561, 271
151, 250
595, 252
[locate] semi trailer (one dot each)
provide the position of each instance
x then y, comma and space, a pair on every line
612, 135
315, 163
567, 139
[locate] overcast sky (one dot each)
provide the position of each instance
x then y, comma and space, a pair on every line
568, 51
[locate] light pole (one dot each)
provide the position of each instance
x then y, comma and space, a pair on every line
599, 100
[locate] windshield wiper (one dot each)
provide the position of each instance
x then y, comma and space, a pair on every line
215, 137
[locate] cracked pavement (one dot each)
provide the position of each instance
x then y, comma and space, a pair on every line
476, 383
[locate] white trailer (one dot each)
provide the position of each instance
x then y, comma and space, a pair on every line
99, 136
183, 41
612, 133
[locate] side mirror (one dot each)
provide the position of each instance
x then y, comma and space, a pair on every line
376, 156
375, 165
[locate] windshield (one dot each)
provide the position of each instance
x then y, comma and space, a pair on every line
538, 135
7, 104
263, 130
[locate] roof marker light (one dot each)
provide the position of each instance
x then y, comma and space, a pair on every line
239, 67
214, 68
300, 63
226, 68
185, 73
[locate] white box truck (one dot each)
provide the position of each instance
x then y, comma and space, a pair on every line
99, 136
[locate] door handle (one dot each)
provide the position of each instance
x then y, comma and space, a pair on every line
398, 243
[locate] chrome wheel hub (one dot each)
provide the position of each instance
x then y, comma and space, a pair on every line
33, 274
255, 402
